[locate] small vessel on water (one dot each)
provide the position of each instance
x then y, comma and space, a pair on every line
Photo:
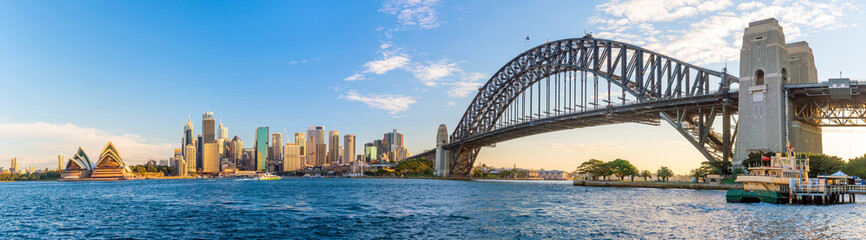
771, 179
784, 178
267, 176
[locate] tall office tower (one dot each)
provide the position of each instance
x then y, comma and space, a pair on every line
59, 162
348, 148
211, 158
14, 167
198, 155
235, 150
320, 155
334, 148
223, 132
301, 141
190, 157
180, 168
207, 128
187, 135
248, 159
262, 149
291, 157
315, 137
394, 139
276, 152
370, 152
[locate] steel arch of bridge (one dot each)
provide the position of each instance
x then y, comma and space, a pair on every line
650, 78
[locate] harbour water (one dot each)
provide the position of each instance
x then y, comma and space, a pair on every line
401, 209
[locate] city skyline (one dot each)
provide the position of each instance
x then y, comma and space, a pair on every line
402, 71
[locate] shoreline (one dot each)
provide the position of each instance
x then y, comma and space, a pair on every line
666, 185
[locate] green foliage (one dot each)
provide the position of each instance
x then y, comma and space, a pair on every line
646, 174
30, 176
722, 168
856, 167
820, 164
698, 173
415, 167
664, 173
621, 168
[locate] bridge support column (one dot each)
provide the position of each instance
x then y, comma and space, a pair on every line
443, 162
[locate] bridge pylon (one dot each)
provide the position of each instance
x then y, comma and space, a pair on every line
766, 114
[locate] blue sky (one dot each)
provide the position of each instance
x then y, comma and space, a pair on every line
83, 73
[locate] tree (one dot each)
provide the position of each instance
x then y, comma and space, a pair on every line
717, 167
824, 164
645, 174
856, 167
633, 172
621, 168
664, 173
698, 173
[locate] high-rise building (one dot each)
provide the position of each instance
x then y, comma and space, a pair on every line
198, 155
262, 149
248, 159
276, 152
187, 135
301, 141
394, 140
370, 152
235, 150
14, 167
315, 137
334, 148
211, 158
59, 162
190, 158
207, 128
348, 148
223, 132
291, 157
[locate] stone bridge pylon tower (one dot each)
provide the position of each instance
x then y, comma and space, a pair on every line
766, 114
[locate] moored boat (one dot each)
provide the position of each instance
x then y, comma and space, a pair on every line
267, 176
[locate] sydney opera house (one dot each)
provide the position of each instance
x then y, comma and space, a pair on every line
109, 166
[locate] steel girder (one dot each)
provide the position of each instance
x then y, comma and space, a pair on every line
643, 74
814, 105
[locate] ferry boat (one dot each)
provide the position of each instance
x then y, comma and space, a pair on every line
772, 180
267, 176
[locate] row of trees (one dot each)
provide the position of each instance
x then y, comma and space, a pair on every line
142, 169
30, 176
620, 168
415, 167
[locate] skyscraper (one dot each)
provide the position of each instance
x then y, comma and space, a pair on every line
394, 140
348, 148
235, 150
59, 162
198, 155
187, 135
14, 167
210, 163
301, 141
315, 146
334, 148
261, 149
190, 158
207, 128
276, 152
223, 132
291, 157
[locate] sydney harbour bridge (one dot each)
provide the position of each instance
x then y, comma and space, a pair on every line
774, 101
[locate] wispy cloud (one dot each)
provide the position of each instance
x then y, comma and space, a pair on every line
709, 31
421, 13
432, 73
39, 143
392, 103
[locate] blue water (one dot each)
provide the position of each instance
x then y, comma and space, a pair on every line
400, 209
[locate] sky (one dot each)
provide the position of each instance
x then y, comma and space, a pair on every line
87, 72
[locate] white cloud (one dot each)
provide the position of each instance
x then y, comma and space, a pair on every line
712, 31
421, 13
431, 74
355, 77
38, 144
469, 83
385, 65
391, 103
